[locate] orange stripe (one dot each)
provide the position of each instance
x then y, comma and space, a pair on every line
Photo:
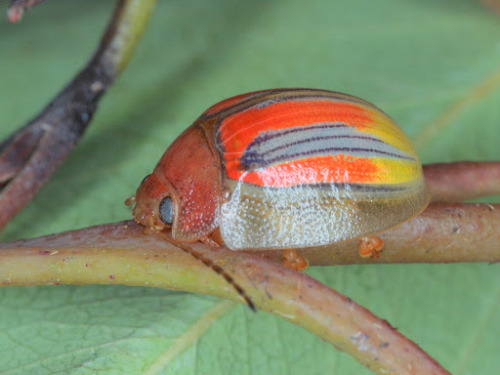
240, 129
319, 169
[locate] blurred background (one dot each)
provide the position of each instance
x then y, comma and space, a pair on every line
434, 66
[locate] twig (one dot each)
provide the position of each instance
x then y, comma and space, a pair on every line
459, 181
121, 254
31, 155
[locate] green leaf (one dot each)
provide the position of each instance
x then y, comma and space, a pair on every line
429, 64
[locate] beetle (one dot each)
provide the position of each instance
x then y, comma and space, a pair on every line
286, 169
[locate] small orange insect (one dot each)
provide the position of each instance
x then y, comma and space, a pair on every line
288, 169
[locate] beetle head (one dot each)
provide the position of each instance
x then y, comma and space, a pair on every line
183, 191
155, 204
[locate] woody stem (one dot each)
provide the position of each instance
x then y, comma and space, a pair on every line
32, 154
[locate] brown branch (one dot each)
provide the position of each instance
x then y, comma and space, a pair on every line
121, 254
18, 7
459, 181
32, 154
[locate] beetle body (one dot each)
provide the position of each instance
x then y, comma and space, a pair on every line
284, 168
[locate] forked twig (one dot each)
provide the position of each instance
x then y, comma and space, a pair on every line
121, 254
32, 154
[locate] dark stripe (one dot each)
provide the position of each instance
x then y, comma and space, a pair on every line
314, 139
274, 146
253, 162
299, 129
349, 186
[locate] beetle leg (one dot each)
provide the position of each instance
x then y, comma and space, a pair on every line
293, 260
370, 247
210, 242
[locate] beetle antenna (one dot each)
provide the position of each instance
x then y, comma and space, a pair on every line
218, 269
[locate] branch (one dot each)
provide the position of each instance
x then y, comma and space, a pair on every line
121, 254
31, 155
460, 181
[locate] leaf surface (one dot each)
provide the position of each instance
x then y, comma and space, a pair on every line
432, 65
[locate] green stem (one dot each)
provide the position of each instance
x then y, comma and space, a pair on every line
122, 36
121, 254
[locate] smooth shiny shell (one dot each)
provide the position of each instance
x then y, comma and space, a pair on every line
286, 168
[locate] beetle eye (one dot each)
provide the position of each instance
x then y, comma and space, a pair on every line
167, 211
